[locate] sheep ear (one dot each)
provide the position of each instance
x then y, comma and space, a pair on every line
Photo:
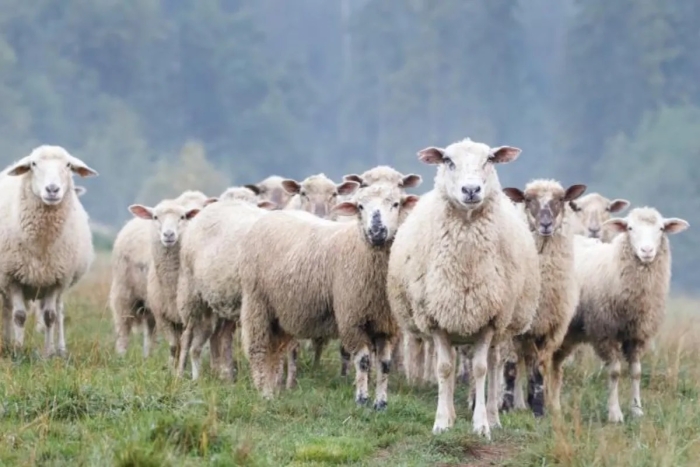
211, 201
408, 202
141, 211
348, 187
81, 168
270, 206
254, 188
674, 225
431, 155
504, 154
79, 190
617, 225
516, 195
346, 208
411, 181
191, 213
353, 178
574, 192
20, 167
291, 186
618, 205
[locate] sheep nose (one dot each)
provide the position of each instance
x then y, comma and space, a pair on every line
594, 231
471, 190
53, 189
546, 224
169, 235
647, 250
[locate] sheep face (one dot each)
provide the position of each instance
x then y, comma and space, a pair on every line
593, 210
466, 173
385, 174
318, 194
378, 209
169, 219
545, 203
51, 169
645, 230
271, 189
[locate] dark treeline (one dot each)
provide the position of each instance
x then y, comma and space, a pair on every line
162, 95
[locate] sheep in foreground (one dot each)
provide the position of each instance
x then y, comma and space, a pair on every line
460, 272
45, 240
271, 189
309, 278
131, 255
624, 288
209, 287
544, 203
591, 212
168, 221
316, 194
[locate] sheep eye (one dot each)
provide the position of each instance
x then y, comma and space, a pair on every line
155, 218
182, 217
449, 163
629, 228
334, 195
302, 193
33, 164
68, 165
396, 204
360, 207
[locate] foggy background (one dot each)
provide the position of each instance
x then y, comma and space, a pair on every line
164, 95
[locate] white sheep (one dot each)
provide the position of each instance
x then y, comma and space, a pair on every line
45, 239
544, 203
168, 220
460, 272
310, 278
209, 285
624, 288
271, 189
591, 212
131, 255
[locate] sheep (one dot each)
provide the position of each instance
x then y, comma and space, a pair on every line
317, 194
460, 272
45, 239
209, 281
591, 211
624, 288
244, 193
271, 189
168, 220
544, 203
131, 256
313, 278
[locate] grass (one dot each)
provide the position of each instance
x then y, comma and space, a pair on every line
94, 409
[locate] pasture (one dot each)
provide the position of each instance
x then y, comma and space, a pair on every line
93, 408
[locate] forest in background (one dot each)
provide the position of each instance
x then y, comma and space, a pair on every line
163, 95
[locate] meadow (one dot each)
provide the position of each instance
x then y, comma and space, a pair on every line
93, 408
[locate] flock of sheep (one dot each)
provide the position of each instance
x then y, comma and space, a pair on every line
470, 279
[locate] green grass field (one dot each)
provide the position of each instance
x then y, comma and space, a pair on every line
96, 409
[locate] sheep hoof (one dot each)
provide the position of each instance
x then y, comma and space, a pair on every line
482, 430
637, 411
615, 416
439, 428
361, 400
380, 405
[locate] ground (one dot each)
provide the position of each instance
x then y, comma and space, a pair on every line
93, 408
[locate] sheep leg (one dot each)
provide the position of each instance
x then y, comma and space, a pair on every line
149, 328
60, 308
446, 355
479, 368
463, 365
227, 367
50, 305
413, 366
215, 346
614, 411
397, 356
429, 361
292, 357
495, 367
123, 321
510, 373
384, 352
559, 360
185, 344
319, 344
265, 361
362, 359
19, 314
520, 375
200, 335
345, 361
632, 352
